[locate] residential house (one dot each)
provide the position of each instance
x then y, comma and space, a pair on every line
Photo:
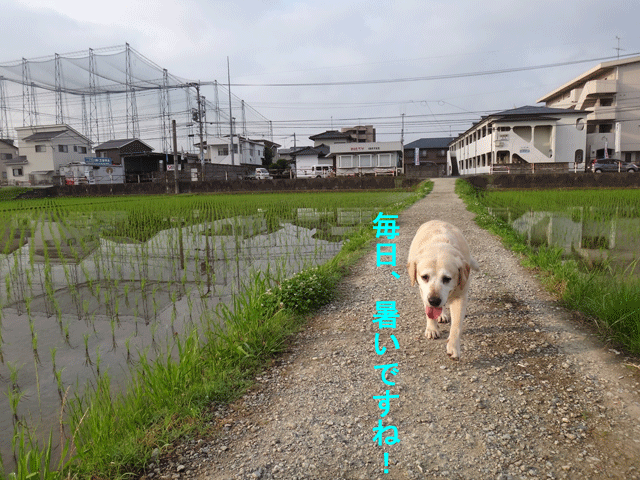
526, 137
288, 154
43, 149
8, 152
309, 157
116, 150
367, 158
608, 93
331, 137
245, 151
430, 152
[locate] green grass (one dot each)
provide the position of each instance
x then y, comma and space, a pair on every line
10, 193
114, 433
611, 301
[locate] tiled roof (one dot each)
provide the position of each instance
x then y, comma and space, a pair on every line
441, 142
43, 136
534, 111
119, 144
330, 134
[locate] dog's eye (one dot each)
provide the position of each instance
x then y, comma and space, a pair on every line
446, 280
425, 277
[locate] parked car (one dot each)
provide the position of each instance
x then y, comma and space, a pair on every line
601, 165
259, 174
315, 171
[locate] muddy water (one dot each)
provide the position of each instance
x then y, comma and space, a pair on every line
81, 308
615, 241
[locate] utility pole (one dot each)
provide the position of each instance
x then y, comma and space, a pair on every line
175, 156
200, 131
230, 112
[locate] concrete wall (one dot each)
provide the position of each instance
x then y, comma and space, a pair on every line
220, 186
566, 180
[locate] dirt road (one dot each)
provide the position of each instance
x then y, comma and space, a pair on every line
534, 395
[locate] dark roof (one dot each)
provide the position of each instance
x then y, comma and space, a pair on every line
439, 143
321, 151
530, 111
8, 141
43, 136
330, 134
111, 144
524, 113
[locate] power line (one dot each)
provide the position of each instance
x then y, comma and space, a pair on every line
432, 77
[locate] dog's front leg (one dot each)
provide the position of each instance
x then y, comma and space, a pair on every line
432, 329
457, 309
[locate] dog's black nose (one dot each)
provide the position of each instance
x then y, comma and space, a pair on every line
434, 301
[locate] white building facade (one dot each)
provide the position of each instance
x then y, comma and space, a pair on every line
526, 136
370, 158
609, 93
245, 151
43, 149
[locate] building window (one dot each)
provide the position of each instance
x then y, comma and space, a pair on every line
223, 152
41, 148
385, 160
605, 128
17, 172
63, 148
606, 102
82, 149
345, 161
366, 161
7, 156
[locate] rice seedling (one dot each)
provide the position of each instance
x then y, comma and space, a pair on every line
111, 261
586, 243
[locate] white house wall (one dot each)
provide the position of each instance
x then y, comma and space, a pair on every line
305, 162
243, 155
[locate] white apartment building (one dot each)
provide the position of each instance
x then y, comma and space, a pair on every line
610, 93
525, 136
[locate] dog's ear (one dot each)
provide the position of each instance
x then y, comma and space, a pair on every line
412, 268
463, 274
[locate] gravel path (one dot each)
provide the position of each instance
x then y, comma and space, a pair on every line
534, 395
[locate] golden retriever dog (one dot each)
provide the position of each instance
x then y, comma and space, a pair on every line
440, 262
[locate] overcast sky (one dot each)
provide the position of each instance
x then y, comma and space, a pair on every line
300, 42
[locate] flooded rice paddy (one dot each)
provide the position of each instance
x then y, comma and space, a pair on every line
79, 298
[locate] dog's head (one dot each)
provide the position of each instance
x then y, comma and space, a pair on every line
439, 272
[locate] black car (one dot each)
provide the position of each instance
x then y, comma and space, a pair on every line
601, 165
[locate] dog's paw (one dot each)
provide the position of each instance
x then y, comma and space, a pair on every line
444, 318
453, 351
432, 333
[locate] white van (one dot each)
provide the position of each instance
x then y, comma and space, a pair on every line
315, 171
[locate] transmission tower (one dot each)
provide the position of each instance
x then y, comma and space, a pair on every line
187, 92
4, 117
85, 118
110, 130
165, 112
217, 110
132, 109
58, 90
93, 107
27, 118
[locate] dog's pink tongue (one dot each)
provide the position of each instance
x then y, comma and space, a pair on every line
433, 313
